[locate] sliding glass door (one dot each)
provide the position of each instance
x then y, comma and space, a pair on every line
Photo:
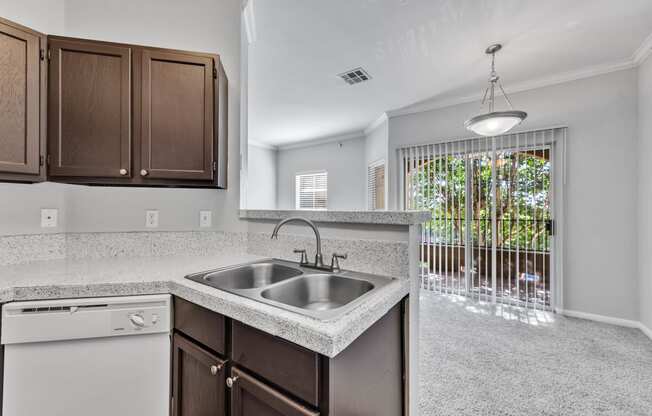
492, 222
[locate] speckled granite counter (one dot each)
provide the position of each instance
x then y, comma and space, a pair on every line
59, 279
341, 217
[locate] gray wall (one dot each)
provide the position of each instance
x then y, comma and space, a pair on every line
261, 177
21, 204
601, 192
202, 25
347, 173
271, 172
46, 16
645, 192
377, 143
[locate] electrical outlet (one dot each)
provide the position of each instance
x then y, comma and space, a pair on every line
49, 217
151, 218
205, 218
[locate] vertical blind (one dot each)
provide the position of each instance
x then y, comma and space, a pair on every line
376, 185
491, 202
312, 190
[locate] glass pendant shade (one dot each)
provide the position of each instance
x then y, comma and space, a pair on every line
495, 123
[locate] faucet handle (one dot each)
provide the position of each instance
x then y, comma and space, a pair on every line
304, 256
335, 261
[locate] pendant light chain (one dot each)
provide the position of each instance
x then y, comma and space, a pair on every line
491, 89
492, 79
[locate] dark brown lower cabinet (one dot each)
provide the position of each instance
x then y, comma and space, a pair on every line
270, 376
198, 380
250, 397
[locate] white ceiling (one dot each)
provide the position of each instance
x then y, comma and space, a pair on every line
417, 50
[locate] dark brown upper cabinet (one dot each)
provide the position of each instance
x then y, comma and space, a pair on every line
92, 112
177, 116
22, 108
89, 129
134, 115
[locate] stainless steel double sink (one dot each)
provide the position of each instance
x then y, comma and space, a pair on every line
286, 285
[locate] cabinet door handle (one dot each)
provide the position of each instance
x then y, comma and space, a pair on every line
231, 381
144, 172
123, 172
216, 369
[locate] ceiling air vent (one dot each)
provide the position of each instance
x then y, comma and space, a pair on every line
355, 76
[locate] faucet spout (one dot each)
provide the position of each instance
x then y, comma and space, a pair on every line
319, 258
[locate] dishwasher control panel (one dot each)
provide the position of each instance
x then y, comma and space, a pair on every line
65, 319
143, 320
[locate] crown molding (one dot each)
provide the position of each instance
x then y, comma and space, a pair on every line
560, 78
323, 140
261, 145
374, 124
643, 51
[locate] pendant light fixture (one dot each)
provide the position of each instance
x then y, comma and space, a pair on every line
494, 123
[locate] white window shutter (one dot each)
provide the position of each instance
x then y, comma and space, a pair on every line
312, 191
376, 185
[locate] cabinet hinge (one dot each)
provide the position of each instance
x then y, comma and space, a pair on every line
214, 73
41, 160
47, 160
49, 54
42, 54
214, 166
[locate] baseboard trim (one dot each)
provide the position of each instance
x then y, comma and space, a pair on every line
647, 331
601, 318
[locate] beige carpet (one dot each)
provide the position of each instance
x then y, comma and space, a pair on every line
483, 360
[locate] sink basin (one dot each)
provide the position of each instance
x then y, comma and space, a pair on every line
296, 288
318, 292
249, 276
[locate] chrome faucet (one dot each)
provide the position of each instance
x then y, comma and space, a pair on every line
319, 258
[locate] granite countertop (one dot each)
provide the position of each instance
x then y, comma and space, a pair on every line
60, 279
343, 217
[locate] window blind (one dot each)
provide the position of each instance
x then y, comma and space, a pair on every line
376, 185
312, 191
491, 199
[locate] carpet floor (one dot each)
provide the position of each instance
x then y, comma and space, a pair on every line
494, 360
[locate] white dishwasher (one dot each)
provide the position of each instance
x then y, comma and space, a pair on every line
95, 356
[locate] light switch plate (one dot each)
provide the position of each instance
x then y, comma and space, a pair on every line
205, 218
151, 218
49, 217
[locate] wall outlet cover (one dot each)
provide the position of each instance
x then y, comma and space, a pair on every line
151, 218
205, 218
49, 217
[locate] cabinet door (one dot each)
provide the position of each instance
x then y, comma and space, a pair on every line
89, 109
250, 397
177, 116
19, 101
198, 380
